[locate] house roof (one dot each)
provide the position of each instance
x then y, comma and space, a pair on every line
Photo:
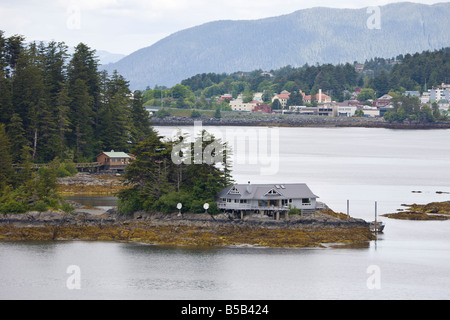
114, 154
260, 191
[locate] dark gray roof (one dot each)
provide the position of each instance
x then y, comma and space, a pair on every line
260, 191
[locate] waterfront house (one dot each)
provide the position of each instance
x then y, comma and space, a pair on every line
267, 199
113, 160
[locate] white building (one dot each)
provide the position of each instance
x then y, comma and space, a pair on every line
371, 112
239, 105
346, 111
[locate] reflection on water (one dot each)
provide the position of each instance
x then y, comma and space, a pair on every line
133, 271
98, 202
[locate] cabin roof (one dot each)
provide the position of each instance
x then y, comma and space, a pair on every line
113, 154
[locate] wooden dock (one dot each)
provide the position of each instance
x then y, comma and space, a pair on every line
82, 166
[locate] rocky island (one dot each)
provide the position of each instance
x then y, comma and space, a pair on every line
431, 211
189, 230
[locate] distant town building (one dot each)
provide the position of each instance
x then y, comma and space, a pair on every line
319, 98
283, 98
262, 108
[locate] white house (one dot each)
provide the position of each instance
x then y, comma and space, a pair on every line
239, 105
267, 199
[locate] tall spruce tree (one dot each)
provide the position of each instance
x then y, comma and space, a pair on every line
114, 126
6, 169
84, 94
140, 117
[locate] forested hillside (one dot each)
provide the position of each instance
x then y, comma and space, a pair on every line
310, 36
409, 72
53, 104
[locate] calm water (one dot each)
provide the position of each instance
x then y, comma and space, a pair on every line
411, 260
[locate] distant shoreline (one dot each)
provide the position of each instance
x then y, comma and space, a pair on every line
296, 121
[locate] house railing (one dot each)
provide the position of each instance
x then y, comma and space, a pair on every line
246, 206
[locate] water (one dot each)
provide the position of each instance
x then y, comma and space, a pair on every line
411, 260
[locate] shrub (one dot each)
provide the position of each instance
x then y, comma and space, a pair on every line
62, 172
70, 167
295, 211
67, 208
40, 206
196, 114
129, 202
12, 206
168, 203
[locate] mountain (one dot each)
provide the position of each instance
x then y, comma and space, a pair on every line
106, 57
317, 35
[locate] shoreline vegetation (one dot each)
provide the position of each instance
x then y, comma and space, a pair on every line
294, 120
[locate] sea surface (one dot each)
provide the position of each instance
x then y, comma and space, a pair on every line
369, 168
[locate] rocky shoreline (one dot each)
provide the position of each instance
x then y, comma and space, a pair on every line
90, 184
199, 230
435, 211
293, 120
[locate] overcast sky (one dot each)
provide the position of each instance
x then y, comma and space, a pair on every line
124, 26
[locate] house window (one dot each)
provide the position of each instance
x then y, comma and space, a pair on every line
243, 201
306, 202
273, 192
234, 191
263, 203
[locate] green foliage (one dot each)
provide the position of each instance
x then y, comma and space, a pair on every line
66, 170
160, 180
217, 114
366, 94
295, 211
408, 108
162, 113
58, 105
196, 114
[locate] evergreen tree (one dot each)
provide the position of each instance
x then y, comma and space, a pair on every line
84, 94
114, 125
141, 128
29, 98
6, 169
19, 143
82, 119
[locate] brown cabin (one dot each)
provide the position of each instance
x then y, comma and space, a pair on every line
114, 160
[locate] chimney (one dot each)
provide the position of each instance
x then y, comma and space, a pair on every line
320, 95
249, 188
